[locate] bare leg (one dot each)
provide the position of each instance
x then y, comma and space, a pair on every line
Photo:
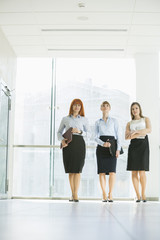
135, 181
102, 179
71, 179
112, 177
142, 175
77, 178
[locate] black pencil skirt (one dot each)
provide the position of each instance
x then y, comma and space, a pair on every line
74, 155
138, 155
105, 162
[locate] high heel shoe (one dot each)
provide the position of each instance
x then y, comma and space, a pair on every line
138, 200
110, 200
144, 200
75, 198
71, 199
104, 200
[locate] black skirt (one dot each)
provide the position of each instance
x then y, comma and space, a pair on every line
105, 162
74, 155
138, 155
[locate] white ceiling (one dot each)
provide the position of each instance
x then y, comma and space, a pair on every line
79, 32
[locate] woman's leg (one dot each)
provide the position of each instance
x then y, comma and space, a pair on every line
102, 180
142, 175
76, 181
112, 177
135, 180
71, 181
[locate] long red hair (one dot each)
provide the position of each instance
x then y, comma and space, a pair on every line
76, 101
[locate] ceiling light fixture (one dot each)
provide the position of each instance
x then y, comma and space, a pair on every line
85, 49
81, 5
84, 30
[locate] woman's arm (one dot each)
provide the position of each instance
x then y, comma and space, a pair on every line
131, 134
118, 134
138, 133
144, 132
96, 132
60, 130
86, 128
134, 135
128, 132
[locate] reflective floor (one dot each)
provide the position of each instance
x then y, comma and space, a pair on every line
63, 220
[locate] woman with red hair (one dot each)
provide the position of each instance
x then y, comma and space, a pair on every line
74, 152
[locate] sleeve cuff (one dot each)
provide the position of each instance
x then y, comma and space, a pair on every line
118, 148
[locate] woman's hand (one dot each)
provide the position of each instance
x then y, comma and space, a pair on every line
64, 144
106, 144
75, 130
133, 133
130, 134
117, 153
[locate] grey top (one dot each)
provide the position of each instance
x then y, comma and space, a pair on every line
75, 122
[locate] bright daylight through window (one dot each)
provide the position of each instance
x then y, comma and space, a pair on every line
45, 88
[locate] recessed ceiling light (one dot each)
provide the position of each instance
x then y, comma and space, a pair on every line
81, 4
82, 18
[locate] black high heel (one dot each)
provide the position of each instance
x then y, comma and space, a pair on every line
109, 200
71, 199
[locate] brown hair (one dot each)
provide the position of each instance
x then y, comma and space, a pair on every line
140, 109
105, 102
77, 101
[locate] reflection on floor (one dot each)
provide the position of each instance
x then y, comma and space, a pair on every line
63, 220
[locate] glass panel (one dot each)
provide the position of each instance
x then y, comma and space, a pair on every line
93, 81
31, 172
33, 101
3, 141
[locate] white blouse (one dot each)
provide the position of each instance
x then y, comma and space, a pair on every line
138, 125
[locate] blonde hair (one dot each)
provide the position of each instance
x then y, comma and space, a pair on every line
106, 102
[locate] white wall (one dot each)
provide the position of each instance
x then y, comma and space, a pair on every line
147, 92
7, 62
8, 75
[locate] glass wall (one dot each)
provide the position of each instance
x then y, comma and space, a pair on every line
33, 118
44, 99
33, 101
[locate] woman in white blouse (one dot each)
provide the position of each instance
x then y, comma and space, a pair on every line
74, 152
108, 137
138, 152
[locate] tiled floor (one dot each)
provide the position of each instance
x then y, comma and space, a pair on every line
63, 220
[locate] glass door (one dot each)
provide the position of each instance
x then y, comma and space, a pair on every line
4, 120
